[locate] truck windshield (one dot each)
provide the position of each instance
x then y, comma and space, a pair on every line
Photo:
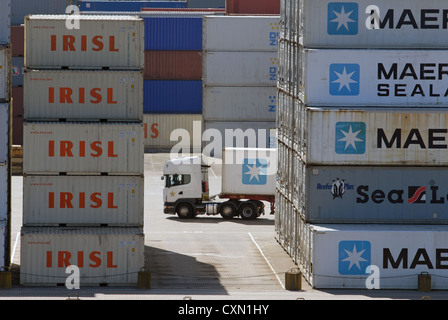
176, 179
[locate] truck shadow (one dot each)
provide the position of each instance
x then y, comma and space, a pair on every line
204, 219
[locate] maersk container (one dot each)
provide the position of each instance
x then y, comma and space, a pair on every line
172, 96
240, 33
78, 148
352, 136
103, 256
5, 181
362, 24
127, 6
173, 33
83, 95
108, 42
5, 19
4, 131
374, 77
240, 69
173, 65
249, 171
346, 256
237, 103
22, 8
83, 201
366, 194
173, 132
217, 135
5, 73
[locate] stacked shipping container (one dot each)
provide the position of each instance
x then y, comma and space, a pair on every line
361, 140
240, 75
83, 150
5, 134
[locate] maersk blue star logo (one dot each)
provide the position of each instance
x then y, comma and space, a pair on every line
342, 18
254, 172
354, 257
350, 138
344, 79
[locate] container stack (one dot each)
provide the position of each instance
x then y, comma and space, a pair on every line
362, 124
172, 77
240, 62
5, 134
83, 150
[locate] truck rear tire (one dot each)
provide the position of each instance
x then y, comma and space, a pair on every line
185, 211
227, 210
248, 211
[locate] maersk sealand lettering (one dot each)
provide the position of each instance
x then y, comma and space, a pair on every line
394, 196
421, 258
414, 137
429, 19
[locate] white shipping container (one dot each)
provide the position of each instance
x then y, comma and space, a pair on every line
115, 42
339, 255
83, 200
363, 24
217, 135
82, 148
4, 131
239, 103
373, 136
3, 243
374, 78
240, 33
5, 21
239, 69
111, 256
173, 131
83, 95
249, 171
5, 182
5, 73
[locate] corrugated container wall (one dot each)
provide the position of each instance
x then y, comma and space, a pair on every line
206, 3
240, 69
374, 78
111, 256
83, 200
22, 8
128, 6
18, 41
253, 7
100, 42
5, 18
3, 243
241, 33
4, 132
237, 103
4, 192
250, 172
17, 125
173, 65
165, 131
83, 95
5, 73
173, 33
83, 148
383, 24
172, 96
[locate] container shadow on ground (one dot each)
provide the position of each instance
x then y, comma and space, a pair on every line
171, 272
259, 221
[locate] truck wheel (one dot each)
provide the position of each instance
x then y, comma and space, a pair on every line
248, 211
185, 211
227, 210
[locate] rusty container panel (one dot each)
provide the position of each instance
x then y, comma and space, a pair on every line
114, 42
83, 200
173, 65
104, 256
166, 131
83, 95
83, 148
252, 6
17, 41
5, 73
